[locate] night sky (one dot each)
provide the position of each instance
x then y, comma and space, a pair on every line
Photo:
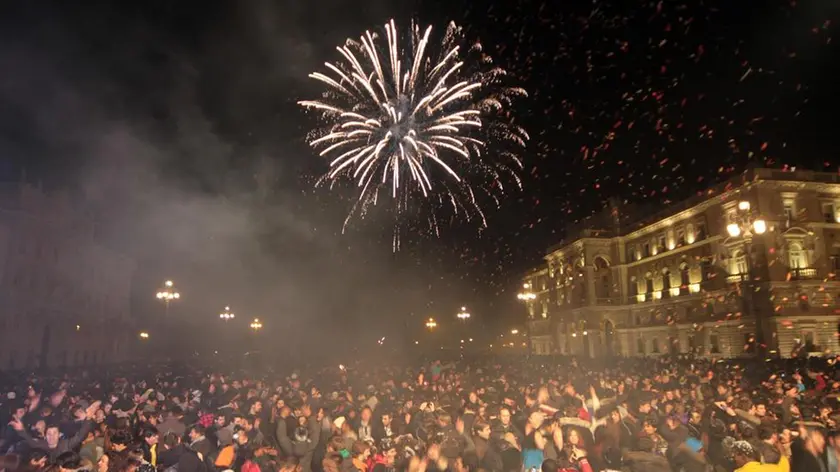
178, 120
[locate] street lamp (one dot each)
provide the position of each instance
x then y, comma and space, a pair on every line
144, 335
745, 224
514, 332
463, 315
167, 294
431, 324
227, 315
527, 295
256, 325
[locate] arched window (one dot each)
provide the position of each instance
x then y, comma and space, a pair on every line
601, 264
738, 264
796, 256
604, 278
649, 283
666, 282
685, 280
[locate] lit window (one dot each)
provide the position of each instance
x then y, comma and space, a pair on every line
829, 215
738, 264
796, 256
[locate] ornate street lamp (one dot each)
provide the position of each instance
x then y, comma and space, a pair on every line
167, 295
527, 297
745, 225
463, 315
431, 324
227, 315
256, 325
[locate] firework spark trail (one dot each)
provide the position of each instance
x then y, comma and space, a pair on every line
428, 124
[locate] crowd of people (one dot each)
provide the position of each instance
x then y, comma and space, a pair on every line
494, 415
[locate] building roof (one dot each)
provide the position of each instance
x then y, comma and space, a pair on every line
623, 219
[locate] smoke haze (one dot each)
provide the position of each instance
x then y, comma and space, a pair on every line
185, 137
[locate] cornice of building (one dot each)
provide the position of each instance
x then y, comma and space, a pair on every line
822, 182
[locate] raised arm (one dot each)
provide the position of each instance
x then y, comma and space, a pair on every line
35, 443
79, 437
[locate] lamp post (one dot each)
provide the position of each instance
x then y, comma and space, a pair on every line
745, 225
227, 315
463, 315
167, 294
527, 297
431, 324
144, 335
256, 325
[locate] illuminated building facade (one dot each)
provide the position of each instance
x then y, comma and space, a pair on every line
65, 297
748, 266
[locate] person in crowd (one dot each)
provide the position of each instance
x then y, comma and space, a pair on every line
149, 445
670, 413
199, 442
53, 443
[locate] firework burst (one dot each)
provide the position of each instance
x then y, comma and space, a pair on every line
424, 126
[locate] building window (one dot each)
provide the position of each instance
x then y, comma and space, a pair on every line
705, 270
691, 343
700, 230
680, 236
790, 210
649, 284
674, 345
655, 345
739, 263
666, 283
828, 213
749, 343
714, 341
646, 250
685, 280
796, 256
640, 346
660, 244
835, 260
810, 340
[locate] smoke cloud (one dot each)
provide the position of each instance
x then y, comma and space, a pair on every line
180, 131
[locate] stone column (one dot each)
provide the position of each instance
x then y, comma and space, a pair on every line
589, 275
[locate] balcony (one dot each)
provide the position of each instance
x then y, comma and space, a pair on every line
601, 301
736, 278
803, 274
